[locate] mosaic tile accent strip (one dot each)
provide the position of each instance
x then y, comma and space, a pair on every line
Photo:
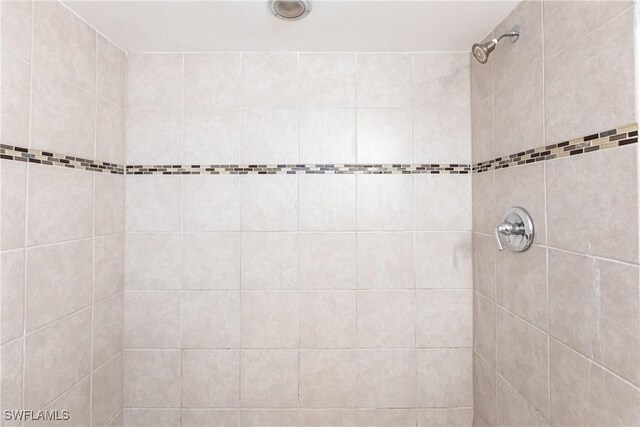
21, 154
598, 141
612, 138
299, 169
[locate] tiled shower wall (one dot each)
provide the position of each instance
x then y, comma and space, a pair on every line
298, 299
556, 328
62, 242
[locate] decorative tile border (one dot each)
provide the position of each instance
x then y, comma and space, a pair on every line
600, 141
299, 169
21, 154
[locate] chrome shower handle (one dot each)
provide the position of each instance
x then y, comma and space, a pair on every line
518, 227
506, 228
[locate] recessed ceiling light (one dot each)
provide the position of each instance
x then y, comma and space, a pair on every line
290, 10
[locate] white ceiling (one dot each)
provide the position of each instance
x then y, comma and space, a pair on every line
247, 25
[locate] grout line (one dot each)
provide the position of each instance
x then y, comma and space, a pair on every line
304, 52
56, 321
240, 238
546, 214
291, 408
559, 249
26, 214
110, 422
181, 291
297, 235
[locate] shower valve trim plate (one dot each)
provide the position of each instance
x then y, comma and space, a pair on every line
516, 231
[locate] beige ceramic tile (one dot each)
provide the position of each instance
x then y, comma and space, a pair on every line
521, 282
513, 59
384, 135
269, 79
56, 287
211, 319
327, 79
151, 417
151, 319
110, 72
384, 80
12, 289
212, 80
612, 199
386, 378
154, 80
327, 260
445, 377
15, 90
46, 377
327, 135
269, 319
59, 204
443, 260
151, 380
108, 317
484, 328
594, 309
108, 266
327, 319
11, 377
64, 46
211, 261
264, 268
484, 265
154, 203
385, 261
569, 110
212, 136
585, 394
210, 378
327, 202
13, 201
211, 203
16, 27
386, 319
384, 202
445, 417
106, 393
269, 379
444, 318
269, 202
153, 261
443, 202
328, 378
484, 393
514, 410
522, 359
209, 418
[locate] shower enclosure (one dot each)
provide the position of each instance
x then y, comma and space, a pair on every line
295, 223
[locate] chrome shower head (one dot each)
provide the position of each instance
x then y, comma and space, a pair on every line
290, 10
481, 51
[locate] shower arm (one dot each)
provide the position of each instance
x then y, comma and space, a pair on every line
515, 33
